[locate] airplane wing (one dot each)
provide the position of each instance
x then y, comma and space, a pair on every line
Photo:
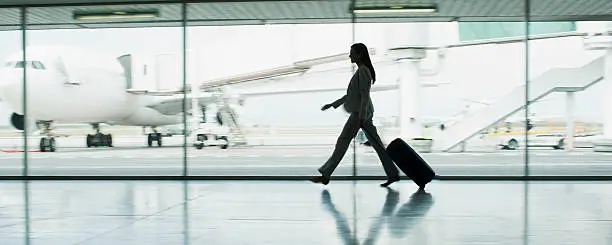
170, 102
156, 93
173, 104
506, 40
172, 99
375, 88
305, 65
295, 68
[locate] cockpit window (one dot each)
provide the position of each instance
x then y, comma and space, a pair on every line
20, 64
38, 65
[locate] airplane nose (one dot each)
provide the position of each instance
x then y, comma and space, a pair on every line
11, 88
10, 78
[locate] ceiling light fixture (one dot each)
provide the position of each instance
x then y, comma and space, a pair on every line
115, 15
412, 8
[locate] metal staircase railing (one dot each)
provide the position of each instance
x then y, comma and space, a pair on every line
230, 118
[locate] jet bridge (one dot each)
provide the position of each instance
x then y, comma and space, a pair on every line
555, 80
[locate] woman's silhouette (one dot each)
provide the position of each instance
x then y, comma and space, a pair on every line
358, 103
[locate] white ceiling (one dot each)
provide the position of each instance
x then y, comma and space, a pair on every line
55, 2
315, 11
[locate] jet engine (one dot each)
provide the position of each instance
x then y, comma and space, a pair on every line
18, 122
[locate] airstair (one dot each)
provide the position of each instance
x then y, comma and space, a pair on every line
554, 80
229, 117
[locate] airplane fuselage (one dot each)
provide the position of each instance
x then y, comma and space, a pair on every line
69, 85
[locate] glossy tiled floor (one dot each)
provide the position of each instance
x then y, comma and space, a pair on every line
299, 212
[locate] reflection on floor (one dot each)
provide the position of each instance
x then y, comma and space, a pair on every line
299, 212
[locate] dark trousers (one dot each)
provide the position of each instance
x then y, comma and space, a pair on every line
351, 127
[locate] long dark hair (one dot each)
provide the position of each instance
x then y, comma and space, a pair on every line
364, 57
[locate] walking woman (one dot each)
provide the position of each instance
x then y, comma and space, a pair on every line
357, 102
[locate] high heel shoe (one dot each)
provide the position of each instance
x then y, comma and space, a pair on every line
320, 179
389, 182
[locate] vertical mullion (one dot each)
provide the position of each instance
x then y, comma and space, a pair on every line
25, 97
184, 47
527, 101
353, 18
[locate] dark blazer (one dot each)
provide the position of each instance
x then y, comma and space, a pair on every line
357, 98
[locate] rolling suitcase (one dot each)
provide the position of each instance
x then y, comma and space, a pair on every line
409, 161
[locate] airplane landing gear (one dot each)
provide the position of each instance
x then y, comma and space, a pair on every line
99, 139
47, 144
155, 136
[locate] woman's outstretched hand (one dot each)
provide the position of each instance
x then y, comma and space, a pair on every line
325, 107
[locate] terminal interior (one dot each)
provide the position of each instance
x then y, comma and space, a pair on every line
200, 122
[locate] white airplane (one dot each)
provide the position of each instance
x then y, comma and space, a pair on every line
71, 85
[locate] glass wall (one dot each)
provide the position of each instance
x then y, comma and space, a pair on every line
11, 83
445, 97
568, 107
237, 89
267, 123
101, 92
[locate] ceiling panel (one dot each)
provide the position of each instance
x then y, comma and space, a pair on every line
10, 28
570, 8
321, 10
261, 22
63, 15
73, 2
10, 17
403, 20
46, 27
303, 11
132, 25
456, 8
